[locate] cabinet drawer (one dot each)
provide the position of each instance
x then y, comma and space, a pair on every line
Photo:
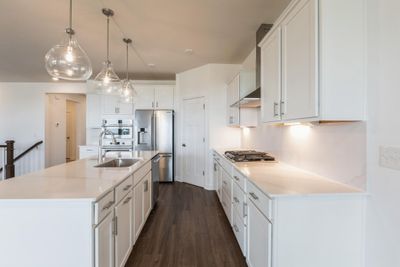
227, 205
240, 231
226, 184
103, 207
123, 189
260, 200
239, 178
226, 165
139, 174
239, 201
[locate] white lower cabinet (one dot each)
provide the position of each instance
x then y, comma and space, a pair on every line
104, 242
259, 239
123, 235
138, 210
146, 196
240, 230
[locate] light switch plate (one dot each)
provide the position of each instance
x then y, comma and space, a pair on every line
389, 157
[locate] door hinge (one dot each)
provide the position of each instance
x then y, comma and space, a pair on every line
204, 139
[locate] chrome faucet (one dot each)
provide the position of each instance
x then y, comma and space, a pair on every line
101, 136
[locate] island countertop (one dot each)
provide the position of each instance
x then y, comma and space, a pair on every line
74, 180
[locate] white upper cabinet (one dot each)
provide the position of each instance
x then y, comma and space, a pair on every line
144, 97
271, 77
164, 97
313, 63
112, 105
299, 57
232, 96
93, 111
154, 97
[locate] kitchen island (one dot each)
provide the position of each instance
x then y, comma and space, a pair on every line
75, 214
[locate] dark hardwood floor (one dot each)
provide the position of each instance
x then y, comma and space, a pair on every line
188, 227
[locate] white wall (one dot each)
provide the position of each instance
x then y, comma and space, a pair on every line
383, 221
22, 117
209, 81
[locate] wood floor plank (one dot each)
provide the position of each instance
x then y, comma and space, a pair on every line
187, 228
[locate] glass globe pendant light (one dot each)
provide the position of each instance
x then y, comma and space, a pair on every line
127, 91
107, 79
68, 60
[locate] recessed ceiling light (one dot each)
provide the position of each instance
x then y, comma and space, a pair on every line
189, 51
55, 78
151, 65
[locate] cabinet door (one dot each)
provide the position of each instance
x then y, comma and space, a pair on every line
138, 209
123, 235
146, 196
125, 108
164, 97
109, 104
144, 98
104, 242
233, 97
258, 238
271, 77
93, 111
299, 61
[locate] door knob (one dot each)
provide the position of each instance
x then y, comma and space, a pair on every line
184, 145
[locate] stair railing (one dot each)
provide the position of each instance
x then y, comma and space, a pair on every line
9, 160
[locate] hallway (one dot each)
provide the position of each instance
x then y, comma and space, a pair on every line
187, 228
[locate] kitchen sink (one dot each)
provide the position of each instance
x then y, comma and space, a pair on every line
117, 163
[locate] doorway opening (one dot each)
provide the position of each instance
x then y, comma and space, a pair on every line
65, 127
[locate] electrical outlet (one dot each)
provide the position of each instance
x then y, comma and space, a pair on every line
389, 157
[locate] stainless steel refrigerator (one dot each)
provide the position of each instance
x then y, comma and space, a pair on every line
154, 130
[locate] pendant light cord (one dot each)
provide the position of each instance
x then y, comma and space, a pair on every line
70, 14
127, 61
108, 39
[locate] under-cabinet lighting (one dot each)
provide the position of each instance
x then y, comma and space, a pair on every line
300, 131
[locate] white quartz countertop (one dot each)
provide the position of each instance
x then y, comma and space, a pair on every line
74, 180
280, 179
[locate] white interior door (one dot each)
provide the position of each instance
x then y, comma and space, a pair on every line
193, 141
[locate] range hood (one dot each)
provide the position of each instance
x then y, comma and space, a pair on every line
253, 99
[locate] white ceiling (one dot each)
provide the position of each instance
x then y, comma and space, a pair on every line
219, 31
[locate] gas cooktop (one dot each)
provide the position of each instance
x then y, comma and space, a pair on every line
248, 155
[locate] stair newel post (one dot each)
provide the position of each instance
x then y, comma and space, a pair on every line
10, 168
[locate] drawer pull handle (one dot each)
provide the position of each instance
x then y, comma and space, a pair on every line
236, 178
126, 188
254, 196
236, 199
225, 183
127, 200
244, 209
108, 205
236, 228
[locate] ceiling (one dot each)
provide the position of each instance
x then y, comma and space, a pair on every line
218, 31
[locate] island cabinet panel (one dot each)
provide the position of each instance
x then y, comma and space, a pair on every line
104, 242
123, 230
138, 210
146, 195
